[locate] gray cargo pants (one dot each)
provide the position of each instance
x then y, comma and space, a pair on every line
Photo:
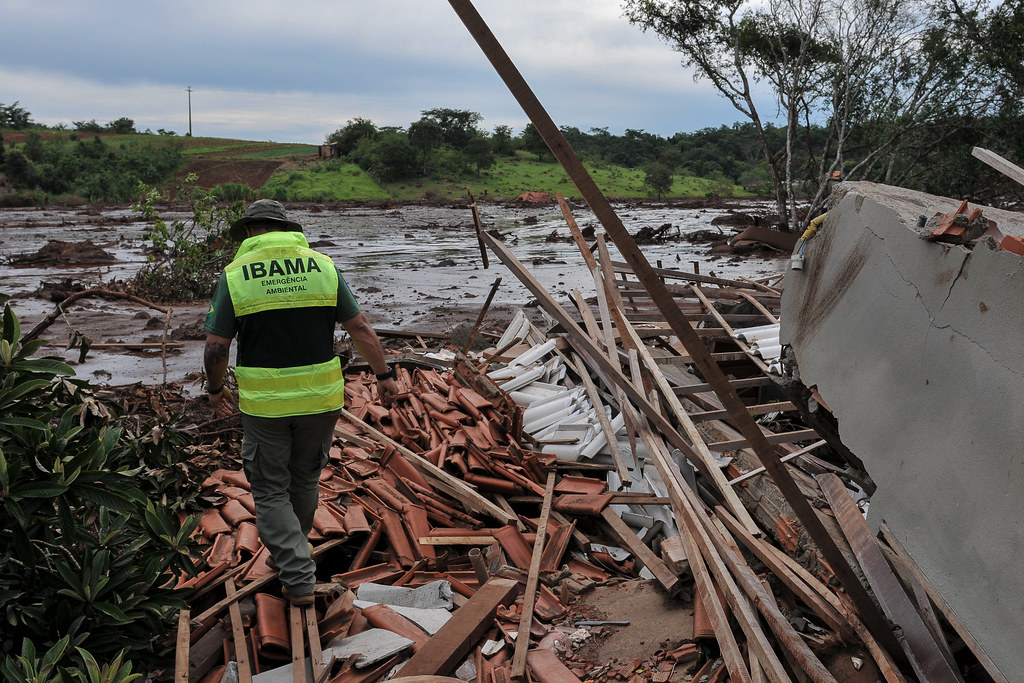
283, 457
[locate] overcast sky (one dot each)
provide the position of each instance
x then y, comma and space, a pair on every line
295, 71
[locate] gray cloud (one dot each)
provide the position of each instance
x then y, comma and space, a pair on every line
297, 71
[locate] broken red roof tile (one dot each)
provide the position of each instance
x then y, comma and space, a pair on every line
382, 616
581, 485
272, 627
378, 573
212, 523
247, 538
355, 520
235, 512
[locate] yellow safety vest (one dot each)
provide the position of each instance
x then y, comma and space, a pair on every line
273, 271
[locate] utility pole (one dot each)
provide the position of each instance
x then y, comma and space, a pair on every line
189, 88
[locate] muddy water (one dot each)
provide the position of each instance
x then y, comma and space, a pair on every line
411, 267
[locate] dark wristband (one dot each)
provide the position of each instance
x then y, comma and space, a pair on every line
215, 391
390, 374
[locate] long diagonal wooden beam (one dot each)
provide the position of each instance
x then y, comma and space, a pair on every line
604, 212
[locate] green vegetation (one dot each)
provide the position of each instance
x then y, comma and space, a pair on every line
91, 545
901, 90
186, 256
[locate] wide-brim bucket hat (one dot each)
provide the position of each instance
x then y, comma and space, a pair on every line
263, 210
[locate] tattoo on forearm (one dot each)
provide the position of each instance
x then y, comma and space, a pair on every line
215, 353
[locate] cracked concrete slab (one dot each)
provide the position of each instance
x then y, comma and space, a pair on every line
916, 347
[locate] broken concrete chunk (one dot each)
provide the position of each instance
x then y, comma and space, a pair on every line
374, 645
434, 595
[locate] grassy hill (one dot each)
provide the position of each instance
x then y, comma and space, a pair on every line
293, 172
246, 169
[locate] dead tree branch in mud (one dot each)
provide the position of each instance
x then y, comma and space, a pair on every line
59, 311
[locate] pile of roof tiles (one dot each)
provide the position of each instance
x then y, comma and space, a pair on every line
387, 524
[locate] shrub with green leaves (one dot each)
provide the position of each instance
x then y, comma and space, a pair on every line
91, 545
186, 256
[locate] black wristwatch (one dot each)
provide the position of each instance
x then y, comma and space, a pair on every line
215, 391
390, 374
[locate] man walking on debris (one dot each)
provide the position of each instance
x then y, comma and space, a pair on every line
283, 299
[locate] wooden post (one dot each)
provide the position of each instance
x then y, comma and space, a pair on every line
532, 579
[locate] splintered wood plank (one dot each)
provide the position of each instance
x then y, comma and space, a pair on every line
298, 655
532, 579
468, 624
238, 636
918, 643
181, 648
316, 653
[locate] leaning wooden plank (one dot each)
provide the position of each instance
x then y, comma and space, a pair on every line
943, 606
238, 636
532, 579
467, 495
449, 645
920, 647
181, 648
1007, 168
665, 576
821, 607
702, 450
729, 568
759, 409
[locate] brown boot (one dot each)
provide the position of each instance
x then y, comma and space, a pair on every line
299, 600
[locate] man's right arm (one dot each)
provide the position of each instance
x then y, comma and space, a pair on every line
215, 362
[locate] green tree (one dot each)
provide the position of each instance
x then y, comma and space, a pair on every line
425, 136
388, 159
33, 147
123, 126
658, 179
14, 116
349, 136
875, 70
478, 153
531, 141
89, 126
501, 140
458, 126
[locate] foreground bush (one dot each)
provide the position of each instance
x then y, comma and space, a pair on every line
91, 543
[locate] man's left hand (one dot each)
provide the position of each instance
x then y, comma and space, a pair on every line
387, 390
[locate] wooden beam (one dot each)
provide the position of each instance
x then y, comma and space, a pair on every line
238, 636
1008, 169
532, 579
918, 643
759, 409
316, 653
184, 638
773, 438
298, 654
468, 624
